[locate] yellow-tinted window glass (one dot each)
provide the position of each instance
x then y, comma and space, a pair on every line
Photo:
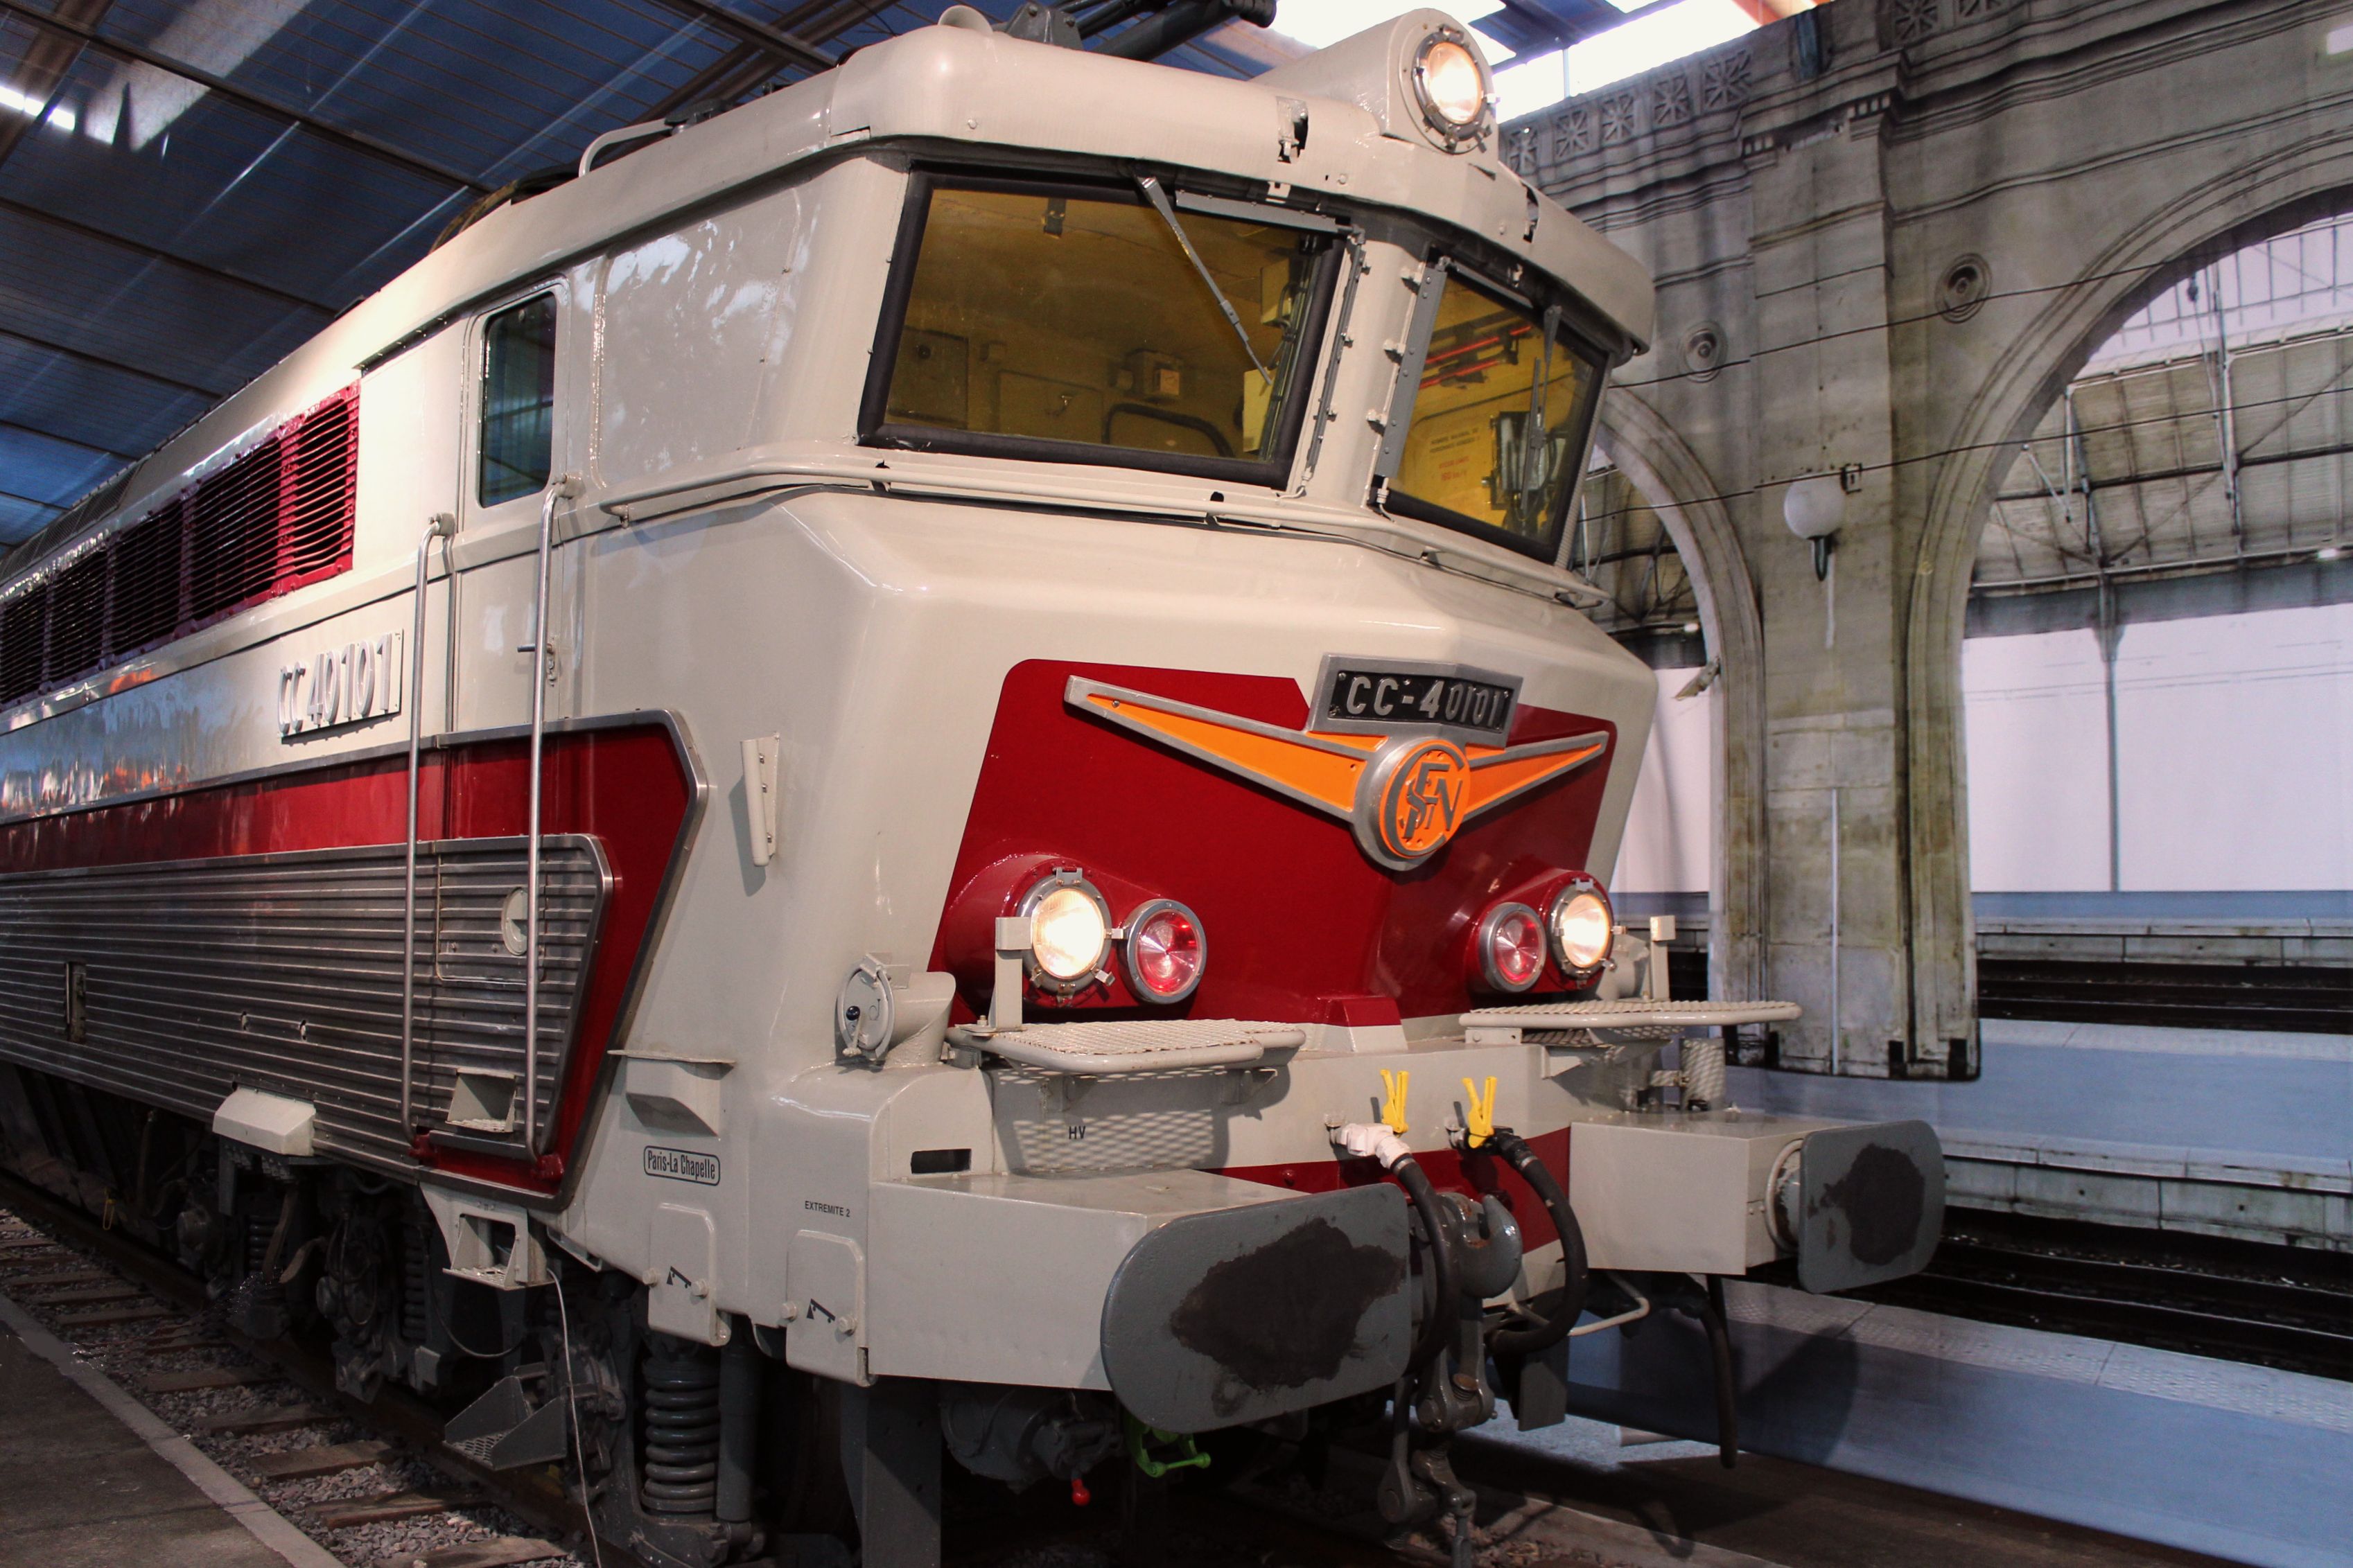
1492, 374
1074, 317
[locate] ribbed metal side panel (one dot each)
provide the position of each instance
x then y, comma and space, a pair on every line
282, 972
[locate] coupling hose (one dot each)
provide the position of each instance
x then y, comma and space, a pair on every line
1546, 1332
1438, 1328
1373, 1140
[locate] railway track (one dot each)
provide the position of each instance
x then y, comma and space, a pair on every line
372, 1484
2274, 1307
376, 1486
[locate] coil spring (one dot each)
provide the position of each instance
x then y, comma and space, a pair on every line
259, 1221
415, 1278
681, 1413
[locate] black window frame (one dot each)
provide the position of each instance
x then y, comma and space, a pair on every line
875, 430
1547, 549
553, 296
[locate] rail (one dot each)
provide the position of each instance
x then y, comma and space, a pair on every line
741, 478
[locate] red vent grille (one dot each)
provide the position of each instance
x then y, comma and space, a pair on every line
276, 519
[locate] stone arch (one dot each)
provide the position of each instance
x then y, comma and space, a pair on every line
1690, 506
2291, 187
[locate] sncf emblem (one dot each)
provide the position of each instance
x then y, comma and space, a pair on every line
1405, 796
1415, 800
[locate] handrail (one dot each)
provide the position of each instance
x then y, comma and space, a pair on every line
441, 526
563, 489
615, 137
1632, 1013
1318, 521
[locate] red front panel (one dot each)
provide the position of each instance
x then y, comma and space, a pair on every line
1301, 926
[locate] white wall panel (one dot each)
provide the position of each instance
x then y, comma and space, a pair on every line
1670, 830
2234, 739
2237, 738
2037, 736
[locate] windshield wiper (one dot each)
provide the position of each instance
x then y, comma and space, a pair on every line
1150, 185
1536, 439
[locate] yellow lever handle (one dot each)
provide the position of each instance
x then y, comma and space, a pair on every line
1481, 1112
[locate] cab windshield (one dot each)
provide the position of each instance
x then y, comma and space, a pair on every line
1496, 372
1068, 322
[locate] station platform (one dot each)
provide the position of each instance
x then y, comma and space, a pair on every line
2240, 1462
2231, 1132
88, 1479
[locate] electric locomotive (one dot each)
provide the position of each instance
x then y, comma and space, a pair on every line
907, 776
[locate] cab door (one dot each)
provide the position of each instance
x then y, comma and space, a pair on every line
519, 438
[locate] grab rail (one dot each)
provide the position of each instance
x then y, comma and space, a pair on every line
563, 488
442, 526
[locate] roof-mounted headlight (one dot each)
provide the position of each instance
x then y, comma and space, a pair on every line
1450, 86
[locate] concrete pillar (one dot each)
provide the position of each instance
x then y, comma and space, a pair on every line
1820, 391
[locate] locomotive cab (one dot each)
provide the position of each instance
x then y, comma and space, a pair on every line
971, 771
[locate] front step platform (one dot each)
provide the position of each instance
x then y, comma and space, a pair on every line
1626, 1018
502, 1430
1133, 1045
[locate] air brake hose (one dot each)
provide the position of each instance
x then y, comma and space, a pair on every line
1373, 1140
1438, 1328
1549, 1332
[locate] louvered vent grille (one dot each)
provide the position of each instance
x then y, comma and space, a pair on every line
78, 614
147, 570
317, 539
276, 518
21, 622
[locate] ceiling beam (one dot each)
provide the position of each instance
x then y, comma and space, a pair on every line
354, 140
64, 440
211, 394
170, 258
2193, 470
776, 41
724, 80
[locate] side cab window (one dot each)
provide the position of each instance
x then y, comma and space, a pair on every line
514, 416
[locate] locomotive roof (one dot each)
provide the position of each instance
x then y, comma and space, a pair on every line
938, 88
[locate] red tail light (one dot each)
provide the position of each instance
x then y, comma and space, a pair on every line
1511, 947
1166, 951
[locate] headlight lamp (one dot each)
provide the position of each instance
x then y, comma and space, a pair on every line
1511, 948
1166, 953
1451, 85
1580, 922
1069, 931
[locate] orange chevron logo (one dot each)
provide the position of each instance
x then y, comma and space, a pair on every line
1405, 795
